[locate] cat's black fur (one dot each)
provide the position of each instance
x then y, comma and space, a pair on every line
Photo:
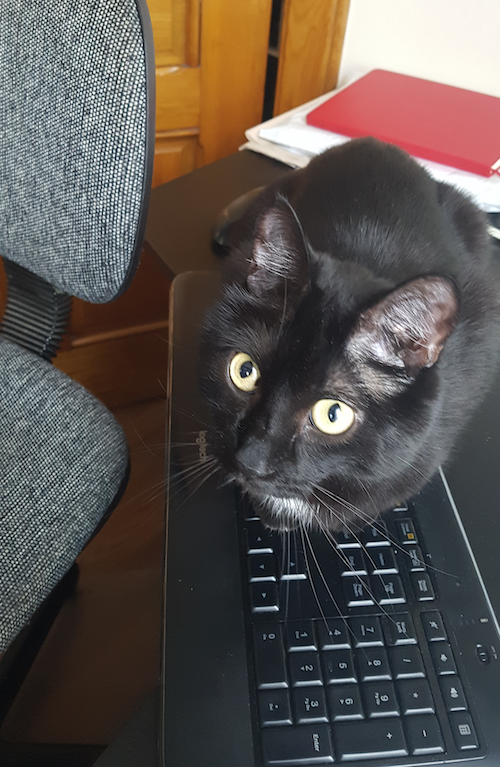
360, 279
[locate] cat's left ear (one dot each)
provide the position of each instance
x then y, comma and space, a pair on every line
409, 327
279, 260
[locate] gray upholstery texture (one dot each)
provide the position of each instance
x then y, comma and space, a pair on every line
73, 125
62, 460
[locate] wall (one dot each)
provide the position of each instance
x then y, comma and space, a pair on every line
450, 41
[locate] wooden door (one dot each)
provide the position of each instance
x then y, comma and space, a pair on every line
210, 73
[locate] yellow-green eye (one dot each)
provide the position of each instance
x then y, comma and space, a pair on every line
244, 372
332, 416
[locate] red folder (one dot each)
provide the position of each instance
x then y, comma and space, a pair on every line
430, 120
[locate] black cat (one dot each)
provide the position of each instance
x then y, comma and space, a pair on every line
356, 333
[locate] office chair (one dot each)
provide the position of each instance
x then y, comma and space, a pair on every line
76, 152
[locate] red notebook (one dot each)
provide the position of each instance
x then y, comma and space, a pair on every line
430, 120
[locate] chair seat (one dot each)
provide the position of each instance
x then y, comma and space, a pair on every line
63, 454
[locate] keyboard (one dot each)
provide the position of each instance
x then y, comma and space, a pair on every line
376, 647
352, 659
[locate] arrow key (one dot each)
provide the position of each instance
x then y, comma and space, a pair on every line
264, 597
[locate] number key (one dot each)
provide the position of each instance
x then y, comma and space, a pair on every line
304, 668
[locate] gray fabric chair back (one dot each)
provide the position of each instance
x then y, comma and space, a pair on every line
76, 153
76, 126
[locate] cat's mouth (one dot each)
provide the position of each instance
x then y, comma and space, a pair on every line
285, 511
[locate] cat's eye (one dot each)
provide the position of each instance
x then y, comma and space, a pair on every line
243, 372
332, 416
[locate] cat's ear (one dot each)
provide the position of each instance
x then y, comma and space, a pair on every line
409, 327
279, 258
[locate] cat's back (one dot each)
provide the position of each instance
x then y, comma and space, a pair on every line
372, 204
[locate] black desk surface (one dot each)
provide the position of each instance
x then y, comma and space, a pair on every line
182, 212
181, 217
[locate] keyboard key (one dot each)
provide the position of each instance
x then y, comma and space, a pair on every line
264, 597
463, 731
351, 562
299, 635
401, 507
370, 740
381, 560
346, 540
406, 662
433, 626
304, 668
444, 662
261, 567
399, 629
424, 735
388, 590
415, 696
380, 699
258, 538
274, 708
309, 744
295, 568
375, 535
338, 666
356, 592
453, 693
309, 705
422, 586
405, 531
333, 634
344, 701
366, 632
372, 664
269, 656
414, 558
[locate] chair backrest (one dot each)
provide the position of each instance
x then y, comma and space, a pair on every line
76, 154
77, 140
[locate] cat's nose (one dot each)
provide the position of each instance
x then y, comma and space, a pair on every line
253, 459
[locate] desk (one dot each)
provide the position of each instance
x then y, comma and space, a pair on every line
180, 221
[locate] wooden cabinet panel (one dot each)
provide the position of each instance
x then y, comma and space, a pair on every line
175, 155
234, 44
168, 18
177, 98
312, 36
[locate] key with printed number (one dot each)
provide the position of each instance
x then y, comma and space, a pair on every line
299, 635
338, 666
344, 701
269, 656
309, 705
304, 668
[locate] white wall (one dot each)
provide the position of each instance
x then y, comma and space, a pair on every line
451, 41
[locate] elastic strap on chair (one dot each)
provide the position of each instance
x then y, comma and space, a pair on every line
36, 314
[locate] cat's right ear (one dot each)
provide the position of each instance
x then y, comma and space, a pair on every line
279, 258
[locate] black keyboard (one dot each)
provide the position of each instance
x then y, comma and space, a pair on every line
380, 648
352, 658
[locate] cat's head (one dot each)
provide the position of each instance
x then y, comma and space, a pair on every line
322, 379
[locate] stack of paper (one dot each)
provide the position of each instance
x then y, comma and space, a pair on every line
290, 139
